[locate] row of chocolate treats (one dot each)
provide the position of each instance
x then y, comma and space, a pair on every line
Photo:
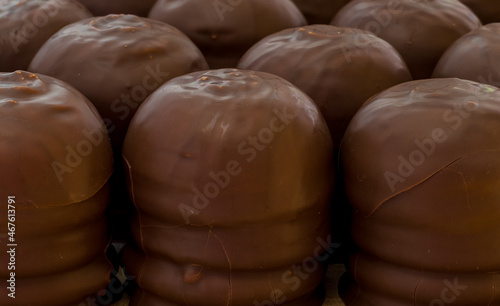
222, 29
216, 157
421, 161
117, 61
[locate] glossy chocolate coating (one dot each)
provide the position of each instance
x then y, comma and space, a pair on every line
487, 10
221, 221
117, 61
475, 56
339, 68
56, 160
224, 31
319, 11
420, 30
135, 7
26, 25
421, 171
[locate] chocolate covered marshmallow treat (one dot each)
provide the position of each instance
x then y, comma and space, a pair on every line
56, 160
421, 30
225, 30
26, 25
116, 61
475, 56
422, 173
231, 173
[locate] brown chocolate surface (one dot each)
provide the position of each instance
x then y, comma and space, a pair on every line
26, 25
339, 68
224, 30
135, 7
231, 173
487, 10
421, 171
475, 56
56, 161
319, 11
117, 61
421, 30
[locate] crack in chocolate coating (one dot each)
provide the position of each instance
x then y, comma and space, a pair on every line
446, 104
26, 25
339, 68
475, 57
224, 33
270, 206
60, 223
421, 171
421, 30
134, 7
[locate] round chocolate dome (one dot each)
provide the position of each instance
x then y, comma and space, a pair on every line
56, 160
422, 172
231, 173
224, 31
26, 25
475, 56
421, 30
117, 61
339, 68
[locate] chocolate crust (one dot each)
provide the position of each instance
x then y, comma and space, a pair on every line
26, 25
56, 161
420, 30
421, 168
222, 31
339, 68
197, 127
134, 7
475, 56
